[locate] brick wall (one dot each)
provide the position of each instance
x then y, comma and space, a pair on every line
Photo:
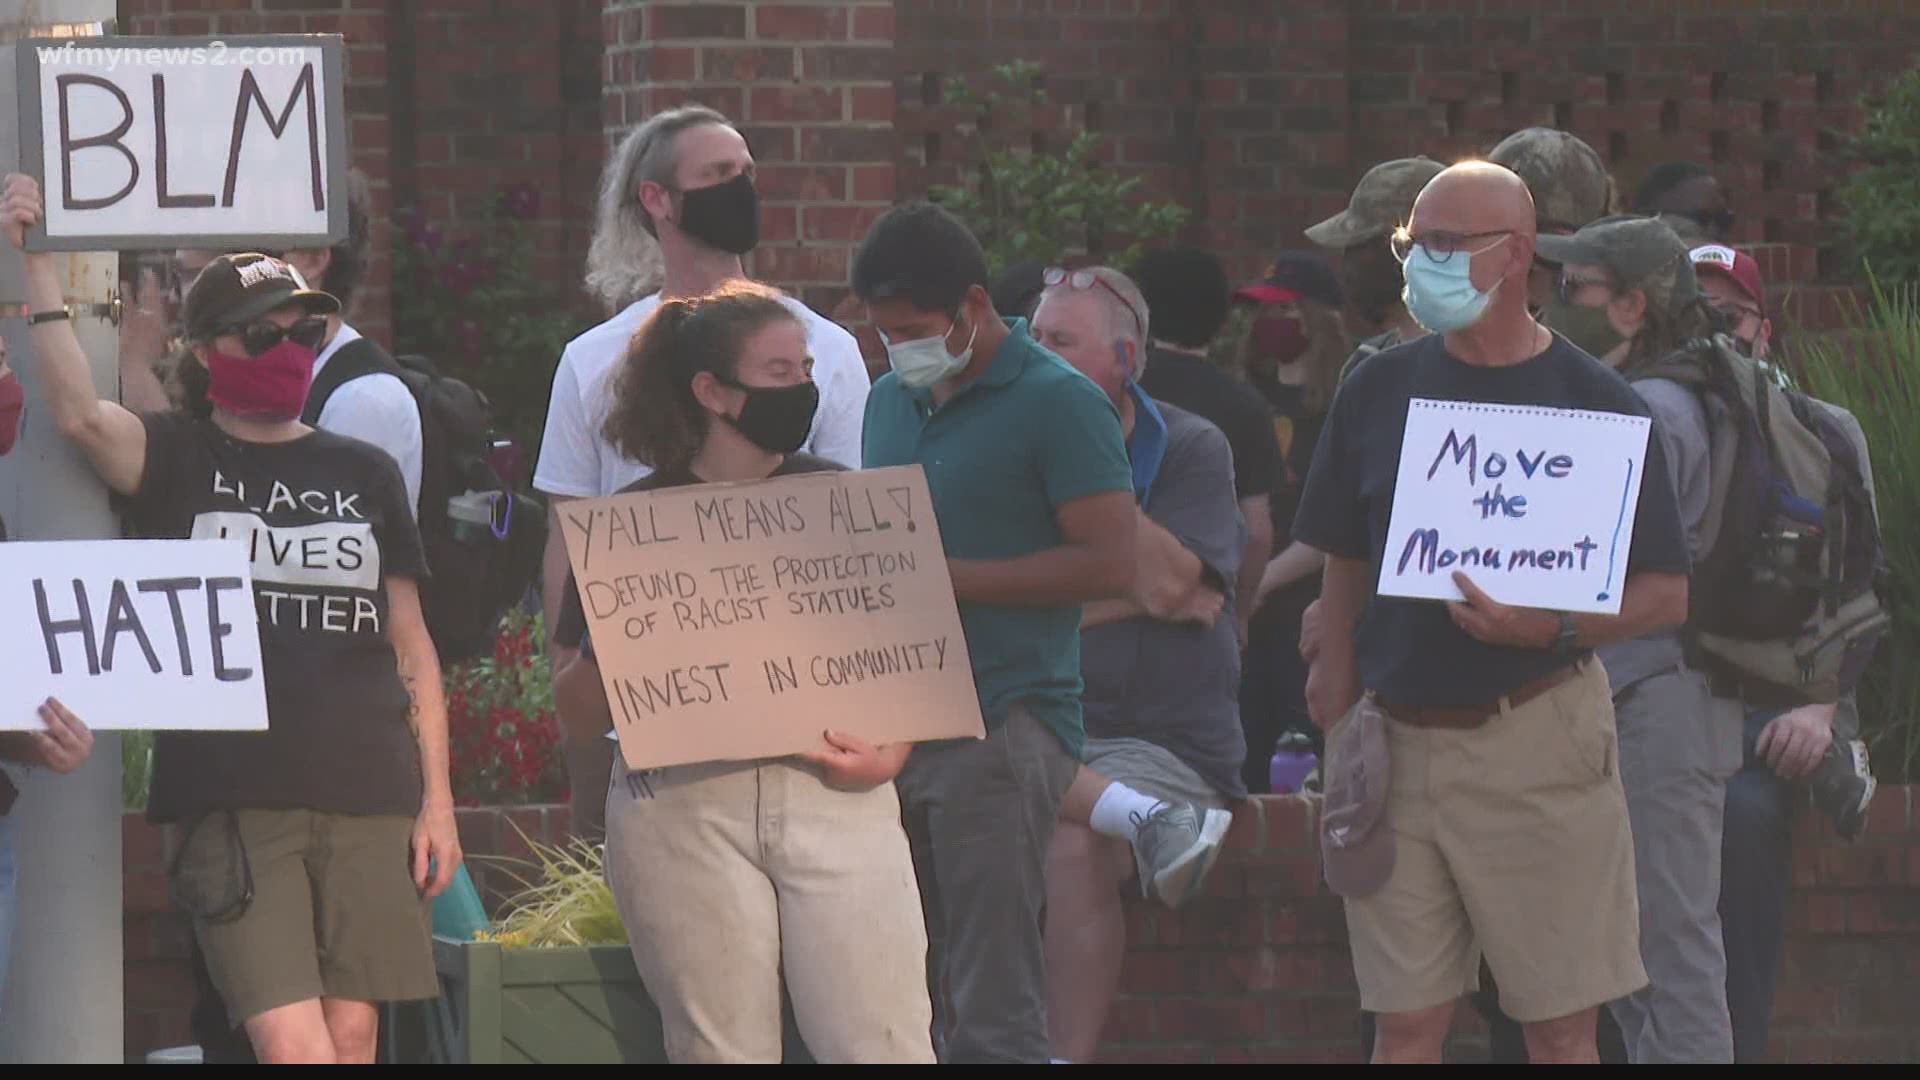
1261, 116
1257, 116
1258, 970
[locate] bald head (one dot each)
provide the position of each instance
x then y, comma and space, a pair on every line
1473, 197
1481, 213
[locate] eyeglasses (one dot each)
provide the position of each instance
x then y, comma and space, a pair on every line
1442, 246
1735, 314
258, 337
1087, 279
1569, 285
1714, 221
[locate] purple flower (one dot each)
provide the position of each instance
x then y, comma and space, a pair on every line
521, 201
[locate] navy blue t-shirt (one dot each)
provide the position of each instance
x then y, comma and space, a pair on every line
1410, 651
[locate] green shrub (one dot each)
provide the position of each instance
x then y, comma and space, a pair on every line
1024, 204
1873, 370
1882, 197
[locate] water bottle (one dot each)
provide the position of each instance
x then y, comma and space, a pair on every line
1293, 761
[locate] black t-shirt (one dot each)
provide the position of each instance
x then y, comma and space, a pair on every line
1410, 651
570, 626
1191, 383
326, 520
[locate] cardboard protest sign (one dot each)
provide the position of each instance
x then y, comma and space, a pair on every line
1534, 505
167, 142
739, 621
154, 634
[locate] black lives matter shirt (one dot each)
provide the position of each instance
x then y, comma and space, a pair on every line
1410, 651
325, 520
570, 626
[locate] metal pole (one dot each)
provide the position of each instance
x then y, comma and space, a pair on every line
63, 992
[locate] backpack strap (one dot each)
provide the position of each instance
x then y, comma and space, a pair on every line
356, 358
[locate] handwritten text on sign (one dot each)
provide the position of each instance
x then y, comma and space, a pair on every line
738, 621
156, 634
145, 142
1535, 505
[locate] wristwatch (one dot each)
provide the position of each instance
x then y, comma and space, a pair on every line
1566, 640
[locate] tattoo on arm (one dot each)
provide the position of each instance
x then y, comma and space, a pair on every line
413, 701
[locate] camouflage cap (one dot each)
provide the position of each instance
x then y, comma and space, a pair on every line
1637, 252
1381, 203
1569, 183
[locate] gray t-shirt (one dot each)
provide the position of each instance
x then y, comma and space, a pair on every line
1178, 686
1680, 423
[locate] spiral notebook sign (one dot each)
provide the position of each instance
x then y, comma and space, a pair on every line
1535, 505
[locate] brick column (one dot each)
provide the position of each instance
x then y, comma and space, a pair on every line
810, 85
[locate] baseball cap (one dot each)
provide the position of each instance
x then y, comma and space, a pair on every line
1294, 275
1569, 182
1738, 265
1356, 844
1381, 203
1638, 252
236, 289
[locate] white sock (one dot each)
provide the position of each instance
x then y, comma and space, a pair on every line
1115, 809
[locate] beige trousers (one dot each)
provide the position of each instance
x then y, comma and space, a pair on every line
730, 875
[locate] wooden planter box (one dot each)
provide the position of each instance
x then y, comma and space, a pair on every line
538, 1007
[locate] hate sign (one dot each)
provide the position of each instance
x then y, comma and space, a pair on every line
152, 142
1535, 505
738, 621
155, 634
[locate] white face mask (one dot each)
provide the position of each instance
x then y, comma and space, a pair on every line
925, 361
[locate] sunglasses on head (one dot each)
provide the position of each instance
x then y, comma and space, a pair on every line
258, 337
1087, 279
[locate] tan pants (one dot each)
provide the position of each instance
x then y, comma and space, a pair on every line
1510, 841
729, 875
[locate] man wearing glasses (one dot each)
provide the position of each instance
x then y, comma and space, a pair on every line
1504, 828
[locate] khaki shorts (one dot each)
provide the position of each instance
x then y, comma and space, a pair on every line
1510, 841
1150, 769
333, 914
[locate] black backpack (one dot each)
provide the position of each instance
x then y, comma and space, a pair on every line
478, 571
1785, 598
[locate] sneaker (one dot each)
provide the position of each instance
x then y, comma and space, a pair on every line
1174, 847
1843, 786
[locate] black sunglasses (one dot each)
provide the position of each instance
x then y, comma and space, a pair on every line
1712, 220
260, 336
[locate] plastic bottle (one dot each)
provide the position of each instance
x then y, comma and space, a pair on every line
1293, 761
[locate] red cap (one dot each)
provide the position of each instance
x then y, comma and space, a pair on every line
1737, 265
1264, 294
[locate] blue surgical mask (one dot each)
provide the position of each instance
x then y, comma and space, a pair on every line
926, 361
1440, 295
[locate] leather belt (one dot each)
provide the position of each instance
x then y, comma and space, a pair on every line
1473, 716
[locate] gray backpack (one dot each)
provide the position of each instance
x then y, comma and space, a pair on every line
1785, 601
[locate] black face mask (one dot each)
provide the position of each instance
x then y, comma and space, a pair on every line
1371, 282
725, 217
777, 419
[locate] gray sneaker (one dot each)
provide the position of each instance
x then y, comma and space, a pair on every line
1174, 847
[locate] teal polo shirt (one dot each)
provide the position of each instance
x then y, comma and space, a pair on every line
1001, 456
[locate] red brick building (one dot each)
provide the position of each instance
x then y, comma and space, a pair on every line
1256, 114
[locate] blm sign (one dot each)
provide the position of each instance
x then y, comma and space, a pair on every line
165, 142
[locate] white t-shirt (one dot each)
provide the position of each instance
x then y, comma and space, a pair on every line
577, 460
379, 409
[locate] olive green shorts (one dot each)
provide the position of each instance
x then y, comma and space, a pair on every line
292, 905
